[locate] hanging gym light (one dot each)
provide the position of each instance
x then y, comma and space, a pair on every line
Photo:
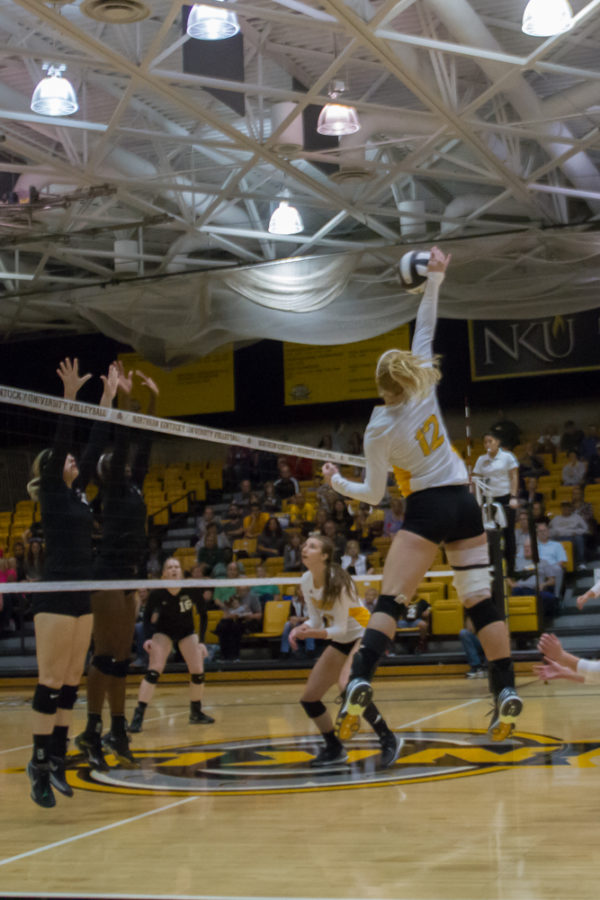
286, 219
543, 18
337, 119
208, 23
54, 95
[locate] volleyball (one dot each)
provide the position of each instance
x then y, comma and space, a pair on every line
413, 270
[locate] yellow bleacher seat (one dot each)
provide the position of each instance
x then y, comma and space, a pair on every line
274, 566
447, 616
363, 586
276, 614
438, 588
214, 616
247, 545
569, 551
522, 614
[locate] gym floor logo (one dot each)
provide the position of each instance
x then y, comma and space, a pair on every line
282, 765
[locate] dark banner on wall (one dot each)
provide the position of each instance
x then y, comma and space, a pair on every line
515, 349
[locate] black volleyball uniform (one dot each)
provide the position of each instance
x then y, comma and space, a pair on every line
123, 511
67, 521
175, 614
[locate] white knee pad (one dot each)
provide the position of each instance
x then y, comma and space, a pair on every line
471, 571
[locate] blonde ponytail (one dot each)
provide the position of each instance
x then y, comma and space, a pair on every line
410, 377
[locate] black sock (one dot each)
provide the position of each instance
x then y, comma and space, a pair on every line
94, 724
373, 646
59, 741
331, 741
376, 720
41, 748
142, 706
117, 725
196, 706
501, 674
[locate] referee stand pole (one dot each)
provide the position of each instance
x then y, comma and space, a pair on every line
496, 551
535, 558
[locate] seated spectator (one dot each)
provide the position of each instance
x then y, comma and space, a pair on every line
341, 515
242, 613
586, 511
416, 613
569, 526
326, 496
265, 592
270, 502
370, 598
242, 497
207, 518
575, 470
588, 448
210, 553
529, 494
292, 554
538, 511
393, 517
530, 464
338, 540
521, 529
222, 594
551, 551
18, 552
255, 521
300, 511
353, 561
34, 561
298, 615
286, 485
233, 523
361, 531
549, 577
571, 437
153, 562
271, 540
213, 529
548, 441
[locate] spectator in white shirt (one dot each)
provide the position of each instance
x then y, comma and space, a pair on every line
569, 526
575, 470
353, 561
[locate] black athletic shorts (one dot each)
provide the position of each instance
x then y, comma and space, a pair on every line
346, 649
176, 628
63, 603
443, 514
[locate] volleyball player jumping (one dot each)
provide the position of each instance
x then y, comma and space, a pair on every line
407, 433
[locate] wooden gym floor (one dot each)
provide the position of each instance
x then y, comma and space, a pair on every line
232, 810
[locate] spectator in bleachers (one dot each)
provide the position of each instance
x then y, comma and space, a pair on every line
321, 517
416, 614
353, 561
265, 592
571, 437
286, 485
210, 553
521, 530
326, 496
569, 526
292, 554
233, 524
529, 494
222, 594
270, 501
549, 580
18, 551
550, 550
34, 561
242, 498
538, 511
153, 562
255, 521
586, 511
326, 442
355, 444
215, 529
338, 539
298, 615
393, 517
588, 448
473, 651
361, 530
548, 441
370, 598
207, 518
300, 511
242, 612
530, 464
341, 516
271, 540
575, 470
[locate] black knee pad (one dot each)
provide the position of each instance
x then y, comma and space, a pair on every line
483, 613
103, 663
152, 676
197, 677
67, 696
120, 668
313, 708
45, 700
388, 605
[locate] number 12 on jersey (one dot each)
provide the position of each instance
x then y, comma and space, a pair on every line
428, 435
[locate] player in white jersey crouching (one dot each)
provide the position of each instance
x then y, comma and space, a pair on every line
407, 433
